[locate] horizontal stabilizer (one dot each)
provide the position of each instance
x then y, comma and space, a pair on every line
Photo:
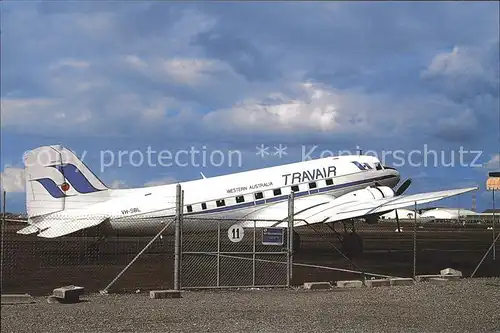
31, 229
62, 228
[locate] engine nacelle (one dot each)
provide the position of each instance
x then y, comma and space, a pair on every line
367, 194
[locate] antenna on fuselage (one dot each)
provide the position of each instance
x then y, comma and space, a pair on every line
202, 175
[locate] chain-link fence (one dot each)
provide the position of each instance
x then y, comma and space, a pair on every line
212, 259
228, 255
422, 248
38, 265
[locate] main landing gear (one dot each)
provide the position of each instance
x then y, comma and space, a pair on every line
352, 243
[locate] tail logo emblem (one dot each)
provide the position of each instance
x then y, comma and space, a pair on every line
74, 177
65, 187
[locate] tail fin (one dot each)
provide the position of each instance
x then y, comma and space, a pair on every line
56, 180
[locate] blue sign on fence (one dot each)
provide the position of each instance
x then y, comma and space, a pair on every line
272, 236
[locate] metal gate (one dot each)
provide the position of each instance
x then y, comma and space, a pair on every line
220, 253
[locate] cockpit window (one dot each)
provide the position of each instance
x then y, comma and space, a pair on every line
378, 166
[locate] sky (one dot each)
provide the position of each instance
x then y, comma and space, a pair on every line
415, 82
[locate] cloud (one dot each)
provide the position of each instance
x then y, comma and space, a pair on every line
32, 114
12, 179
466, 71
458, 127
76, 69
117, 183
161, 181
460, 61
192, 72
316, 110
493, 163
188, 71
467, 76
72, 63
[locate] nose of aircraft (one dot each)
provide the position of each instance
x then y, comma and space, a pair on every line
396, 176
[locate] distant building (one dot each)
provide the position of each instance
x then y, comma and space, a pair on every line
402, 214
446, 213
490, 211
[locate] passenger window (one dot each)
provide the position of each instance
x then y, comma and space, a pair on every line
220, 203
240, 199
259, 195
203, 206
312, 185
295, 188
277, 191
189, 208
329, 181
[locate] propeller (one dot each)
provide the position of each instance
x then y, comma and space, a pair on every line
403, 187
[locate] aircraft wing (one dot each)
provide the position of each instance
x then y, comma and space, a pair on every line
360, 209
322, 208
57, 227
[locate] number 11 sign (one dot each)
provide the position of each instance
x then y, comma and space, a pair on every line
235, 233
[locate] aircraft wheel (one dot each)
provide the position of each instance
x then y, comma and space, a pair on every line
352, 245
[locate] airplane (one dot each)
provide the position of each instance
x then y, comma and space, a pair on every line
64, 196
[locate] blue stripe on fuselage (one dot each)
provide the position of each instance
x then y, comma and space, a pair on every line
284, 197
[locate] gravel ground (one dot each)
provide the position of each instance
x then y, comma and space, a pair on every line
471, 305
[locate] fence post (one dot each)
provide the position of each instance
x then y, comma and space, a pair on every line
494, 227
178, 209
181, 228
4, 197
290, 239
254, 257
415, 242
218, 252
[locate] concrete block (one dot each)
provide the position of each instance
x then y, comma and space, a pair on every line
401, 281
438, 281
52, 300
17, 299
350, 284
162, 294
425, 278
68, 294
378, 282
450, 271
317, 285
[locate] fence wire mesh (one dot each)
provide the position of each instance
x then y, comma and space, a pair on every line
37, 265
226, 255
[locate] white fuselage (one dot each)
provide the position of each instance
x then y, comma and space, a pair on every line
235, 196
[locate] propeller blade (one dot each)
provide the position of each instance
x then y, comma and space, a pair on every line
397, 221
403, 187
